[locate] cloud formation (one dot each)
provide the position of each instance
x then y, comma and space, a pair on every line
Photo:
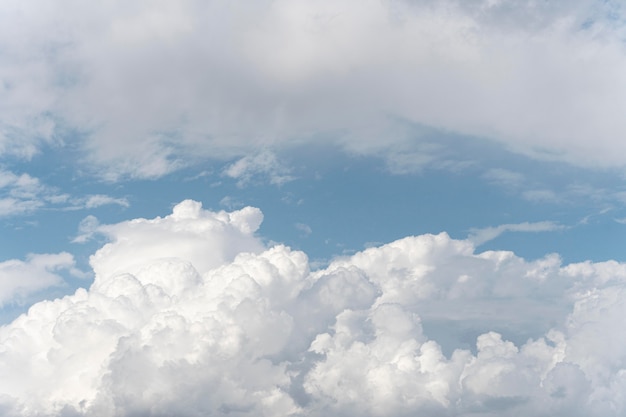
264, 164
147, 89
480, 236
19, 279
189, 315
23, 194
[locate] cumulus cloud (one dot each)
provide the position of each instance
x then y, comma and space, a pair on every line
204, 238
189, 315
160, 85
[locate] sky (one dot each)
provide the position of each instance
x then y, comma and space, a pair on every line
312, 208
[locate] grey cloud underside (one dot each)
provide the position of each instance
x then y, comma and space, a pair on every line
145, 90
420, 325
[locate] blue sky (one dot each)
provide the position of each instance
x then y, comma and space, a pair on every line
332, 203
362, 131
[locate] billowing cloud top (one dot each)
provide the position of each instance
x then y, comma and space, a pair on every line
204, 238
147, 88
190, 316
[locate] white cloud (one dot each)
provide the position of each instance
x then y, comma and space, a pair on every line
92, 201
22, 194
188, 315
206, 239
98, 200
217, 80
263, 164
20, 279
480, 236
86, 229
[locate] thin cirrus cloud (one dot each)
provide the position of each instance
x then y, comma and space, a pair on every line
148, 89
250, 330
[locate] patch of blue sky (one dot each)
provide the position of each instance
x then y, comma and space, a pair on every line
349, 202
336, 202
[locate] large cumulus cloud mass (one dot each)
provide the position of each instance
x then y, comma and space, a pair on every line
190, 315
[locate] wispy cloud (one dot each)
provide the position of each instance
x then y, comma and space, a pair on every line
23, 194
505, 178
86, 229
305, 229
231, 203
264, 166
98, 200
480, 236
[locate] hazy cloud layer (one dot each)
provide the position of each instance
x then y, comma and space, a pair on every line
144, 89
190, 316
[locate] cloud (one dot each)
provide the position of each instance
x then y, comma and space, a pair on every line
504, 177
93, 201
305, 229
86, 229
480, 236
23, 194
215, 81
21, 279
98, 200
204, 238
189, 315
264, 164
231, 203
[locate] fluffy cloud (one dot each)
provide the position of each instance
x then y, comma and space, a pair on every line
204, 238
148, 88
19, 279
189, 315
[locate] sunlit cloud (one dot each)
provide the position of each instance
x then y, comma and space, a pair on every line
164, 329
